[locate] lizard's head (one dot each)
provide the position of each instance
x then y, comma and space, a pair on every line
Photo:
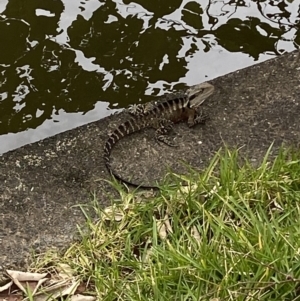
198, 93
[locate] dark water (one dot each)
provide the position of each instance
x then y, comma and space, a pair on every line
64, 63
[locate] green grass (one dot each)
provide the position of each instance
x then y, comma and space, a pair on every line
232, 234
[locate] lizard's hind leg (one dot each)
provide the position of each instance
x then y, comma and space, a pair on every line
136, 110
163, 131
140, 110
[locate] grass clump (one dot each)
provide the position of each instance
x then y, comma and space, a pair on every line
233, 233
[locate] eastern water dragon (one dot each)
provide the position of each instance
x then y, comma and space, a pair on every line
161, 115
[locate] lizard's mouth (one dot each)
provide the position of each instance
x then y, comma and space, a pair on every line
193, 96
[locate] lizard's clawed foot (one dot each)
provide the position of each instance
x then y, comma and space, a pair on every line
161, 134
166, 140
199, 119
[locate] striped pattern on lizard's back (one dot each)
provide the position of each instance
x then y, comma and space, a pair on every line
174, 108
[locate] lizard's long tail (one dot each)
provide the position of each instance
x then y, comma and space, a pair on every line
122, 130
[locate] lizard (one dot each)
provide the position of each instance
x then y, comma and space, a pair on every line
161, 115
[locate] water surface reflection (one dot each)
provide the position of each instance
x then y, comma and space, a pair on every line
64, 63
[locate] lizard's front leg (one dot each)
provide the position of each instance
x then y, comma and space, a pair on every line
164, 128
197, 118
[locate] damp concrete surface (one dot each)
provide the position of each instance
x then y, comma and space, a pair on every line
43, 183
